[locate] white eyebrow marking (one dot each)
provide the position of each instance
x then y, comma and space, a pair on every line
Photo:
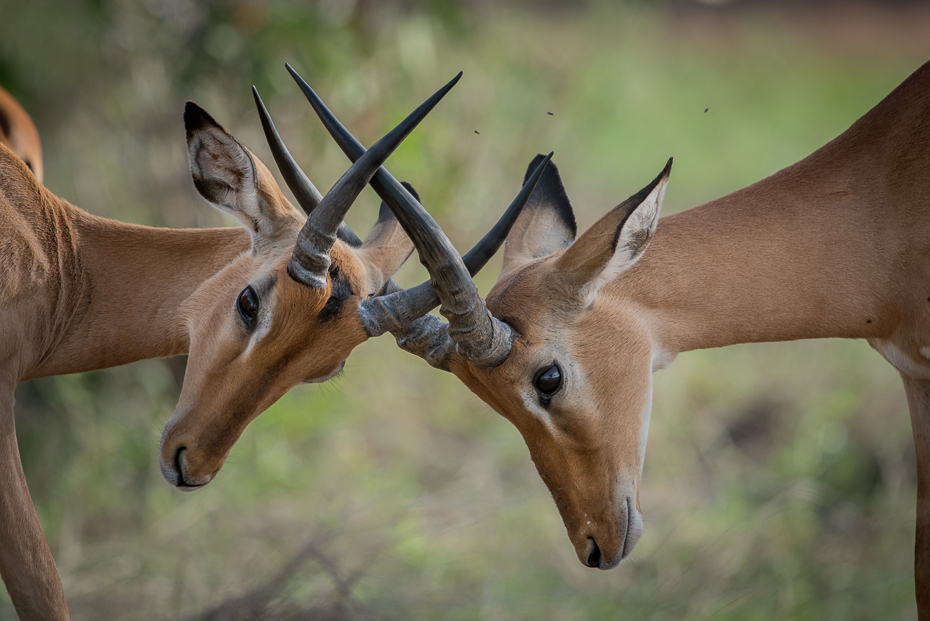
644, 433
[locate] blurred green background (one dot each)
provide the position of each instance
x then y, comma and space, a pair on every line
779, 479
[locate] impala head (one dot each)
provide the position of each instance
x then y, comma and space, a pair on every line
284, 312
563, 357
581, 401
19, 133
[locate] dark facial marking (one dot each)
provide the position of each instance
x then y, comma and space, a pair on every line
340, 291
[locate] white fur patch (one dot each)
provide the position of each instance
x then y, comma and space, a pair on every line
901, 361
217, 156
261, 330
644, 432
661, 358
532, 405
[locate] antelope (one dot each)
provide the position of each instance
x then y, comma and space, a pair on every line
19, 133
258, 309
836, 245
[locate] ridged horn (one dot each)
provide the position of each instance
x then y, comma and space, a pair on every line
310, 261
391, 312
480, 338
388, 188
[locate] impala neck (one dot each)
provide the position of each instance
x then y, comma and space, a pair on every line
817, 250
127, 284
751, 268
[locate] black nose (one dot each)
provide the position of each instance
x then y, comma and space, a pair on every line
177, 467
594, 554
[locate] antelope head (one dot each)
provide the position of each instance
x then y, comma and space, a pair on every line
581, 401
285, 311
536, 352
292, 308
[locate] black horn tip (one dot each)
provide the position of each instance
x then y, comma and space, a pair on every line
445, 89
259, 104
293, 72
267, 124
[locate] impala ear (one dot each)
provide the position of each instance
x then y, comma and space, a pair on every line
386, 247
615, 242
546, 224
231, 179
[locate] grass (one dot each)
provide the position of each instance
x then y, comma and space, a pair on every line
779, 478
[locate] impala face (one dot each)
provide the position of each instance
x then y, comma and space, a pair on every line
577, 383
256, 331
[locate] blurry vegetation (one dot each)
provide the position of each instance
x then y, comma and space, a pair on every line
779, 478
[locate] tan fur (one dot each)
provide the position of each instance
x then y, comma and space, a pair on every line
837, 245
19, 133
78, 292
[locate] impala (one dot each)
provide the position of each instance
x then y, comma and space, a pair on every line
80, 293
259, 308
18, 132
837, 245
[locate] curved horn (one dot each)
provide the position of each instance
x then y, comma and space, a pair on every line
389, 189
310, 261
308, 197
480, 338
404, 312
390, 313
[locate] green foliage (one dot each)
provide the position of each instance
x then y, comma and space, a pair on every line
779, 478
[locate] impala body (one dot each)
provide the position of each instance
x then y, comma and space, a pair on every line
837, 245
79, 292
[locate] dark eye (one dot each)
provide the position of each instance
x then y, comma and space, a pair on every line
247, 305
548, 381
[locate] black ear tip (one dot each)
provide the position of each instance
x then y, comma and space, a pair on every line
385, 213
550, 169
668, 168
410, 189
196, 117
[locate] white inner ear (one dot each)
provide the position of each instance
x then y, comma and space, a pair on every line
218, 157
633, 240
537, 233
